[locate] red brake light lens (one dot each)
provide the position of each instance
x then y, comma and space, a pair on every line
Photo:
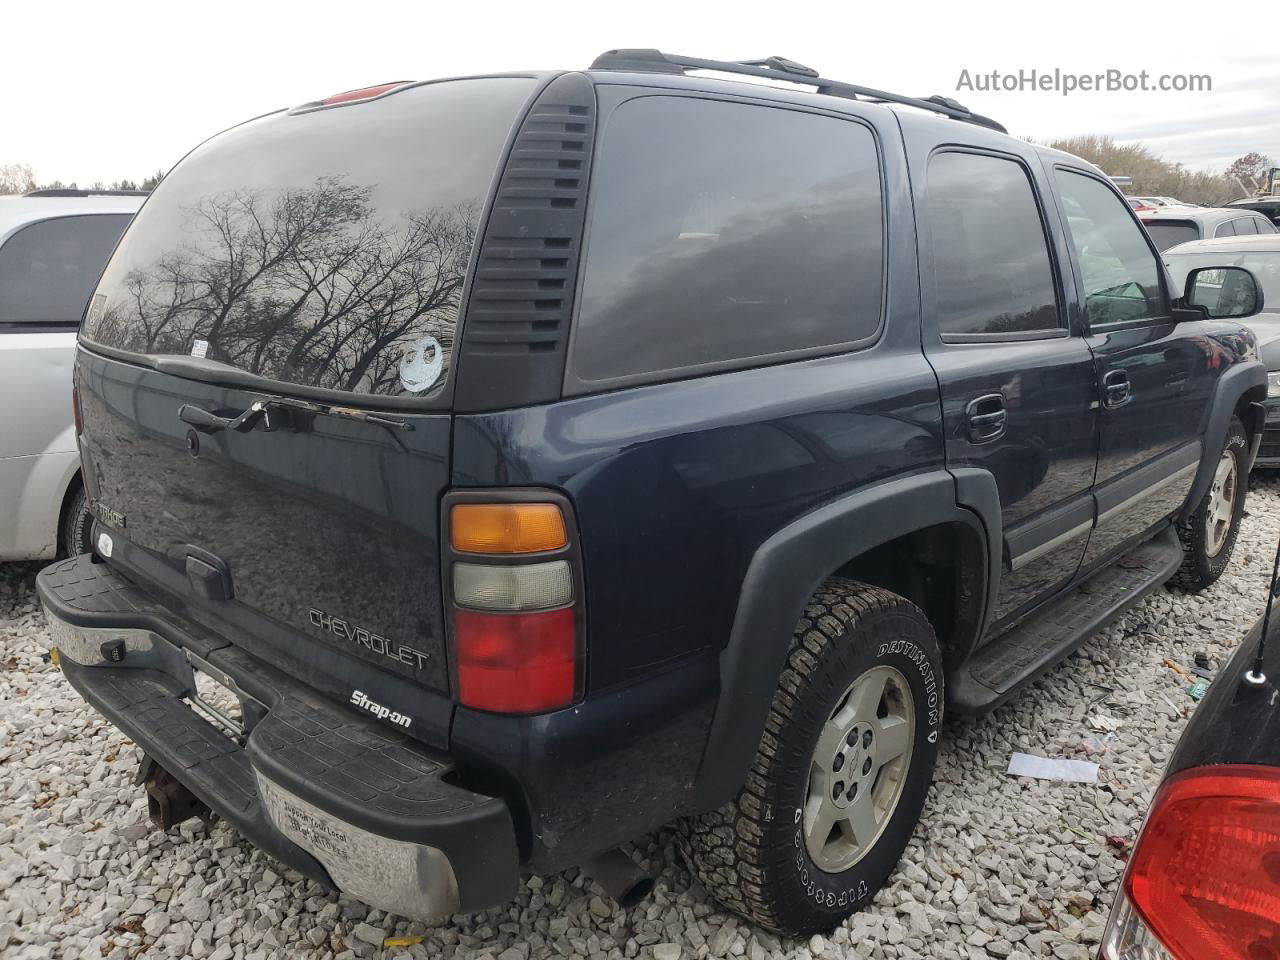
364, 93
1205, 876
516, 662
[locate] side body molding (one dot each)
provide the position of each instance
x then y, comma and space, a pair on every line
784, 573
1244, 377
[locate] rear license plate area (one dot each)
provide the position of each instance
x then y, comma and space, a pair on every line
215, 697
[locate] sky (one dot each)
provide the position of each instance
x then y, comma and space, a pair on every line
98, 93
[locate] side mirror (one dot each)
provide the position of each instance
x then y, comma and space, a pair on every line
1223, 293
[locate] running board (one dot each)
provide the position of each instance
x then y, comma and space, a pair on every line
998, 670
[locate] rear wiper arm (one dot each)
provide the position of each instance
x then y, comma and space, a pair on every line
262, 410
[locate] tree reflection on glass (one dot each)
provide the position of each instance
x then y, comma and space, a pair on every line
309, 286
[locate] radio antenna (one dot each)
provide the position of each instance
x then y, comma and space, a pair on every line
1256, 675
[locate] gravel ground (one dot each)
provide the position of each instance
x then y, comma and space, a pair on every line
1001, 866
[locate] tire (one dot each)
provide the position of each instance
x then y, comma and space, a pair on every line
1208, 535
73, 537
754, 853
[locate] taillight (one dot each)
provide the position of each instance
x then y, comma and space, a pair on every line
514, 581
76, 415
364, 93
1204, 879
515, 662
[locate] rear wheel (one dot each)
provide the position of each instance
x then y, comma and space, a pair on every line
1208, 535
73, 538
842, 769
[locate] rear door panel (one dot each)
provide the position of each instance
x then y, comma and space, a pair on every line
1041, 381
328, 532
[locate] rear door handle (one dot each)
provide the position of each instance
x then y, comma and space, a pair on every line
1115, 388
986, 417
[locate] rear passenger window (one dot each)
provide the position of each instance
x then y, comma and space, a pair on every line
991, 262
1169, 233
1264, 225
48, 269
1233, 228
723, 235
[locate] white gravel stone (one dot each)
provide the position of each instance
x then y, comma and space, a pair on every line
1001, 866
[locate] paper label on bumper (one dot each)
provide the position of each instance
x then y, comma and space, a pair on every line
409, 879
322, 835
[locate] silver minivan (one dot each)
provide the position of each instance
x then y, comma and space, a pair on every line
53, 246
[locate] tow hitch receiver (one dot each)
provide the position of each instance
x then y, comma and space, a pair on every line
168, 802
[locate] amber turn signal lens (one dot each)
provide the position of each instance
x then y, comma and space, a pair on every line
507, 527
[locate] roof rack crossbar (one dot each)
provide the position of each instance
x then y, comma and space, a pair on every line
780, 68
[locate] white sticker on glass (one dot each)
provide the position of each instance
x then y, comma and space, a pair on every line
199, 348
417, 373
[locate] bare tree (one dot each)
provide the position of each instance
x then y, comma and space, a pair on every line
1251, 169
16, 178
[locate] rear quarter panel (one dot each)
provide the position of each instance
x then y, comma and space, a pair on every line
675, 486
38, 455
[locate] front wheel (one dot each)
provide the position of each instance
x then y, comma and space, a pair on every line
842, 768
1208, 535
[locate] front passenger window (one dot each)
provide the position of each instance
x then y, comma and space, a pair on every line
1120, 273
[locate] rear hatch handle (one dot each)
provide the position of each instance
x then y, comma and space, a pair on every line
276, 412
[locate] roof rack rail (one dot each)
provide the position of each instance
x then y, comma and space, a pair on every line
780, 68
70, 192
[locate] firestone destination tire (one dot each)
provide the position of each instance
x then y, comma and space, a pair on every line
842, 768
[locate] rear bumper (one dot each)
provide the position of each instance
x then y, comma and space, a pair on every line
339, 796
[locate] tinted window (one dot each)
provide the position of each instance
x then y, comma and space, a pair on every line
1121, 277
990, 262
1264, 225
1168, 233
47, 270
1232, 228
324, 248
722, 232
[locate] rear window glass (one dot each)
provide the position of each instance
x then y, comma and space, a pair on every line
724, 234
1168, 233
47, 269
325, 249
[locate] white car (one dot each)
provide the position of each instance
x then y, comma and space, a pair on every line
53, 246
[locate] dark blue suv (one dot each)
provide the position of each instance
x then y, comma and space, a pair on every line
489, 471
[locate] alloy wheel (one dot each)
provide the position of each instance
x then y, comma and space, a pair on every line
1222, 504
858, 769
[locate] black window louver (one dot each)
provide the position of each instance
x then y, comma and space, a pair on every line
517, 320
